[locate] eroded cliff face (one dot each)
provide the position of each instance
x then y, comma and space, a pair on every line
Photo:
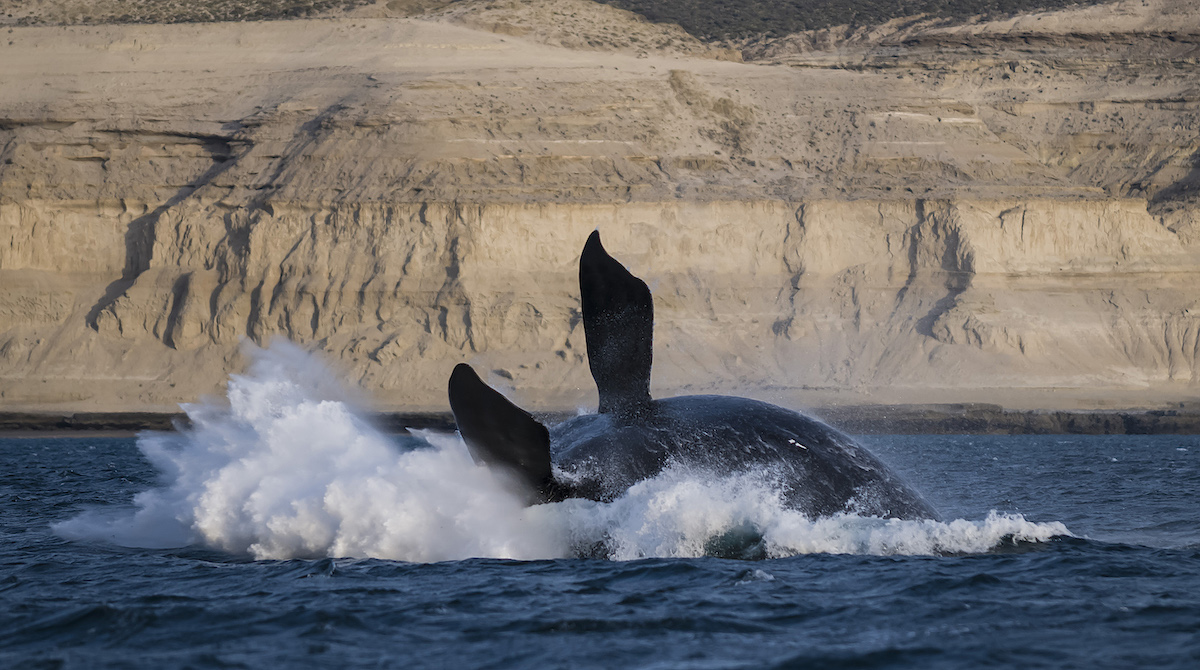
404, 195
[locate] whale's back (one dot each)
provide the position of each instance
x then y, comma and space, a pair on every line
820, 470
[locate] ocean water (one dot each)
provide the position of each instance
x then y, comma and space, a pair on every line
285, 531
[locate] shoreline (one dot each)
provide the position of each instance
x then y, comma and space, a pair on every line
939, 419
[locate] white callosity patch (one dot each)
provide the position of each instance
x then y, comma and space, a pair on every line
290, 470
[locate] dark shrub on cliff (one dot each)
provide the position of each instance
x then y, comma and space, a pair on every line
733, 19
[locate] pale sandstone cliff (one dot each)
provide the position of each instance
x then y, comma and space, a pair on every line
931, 216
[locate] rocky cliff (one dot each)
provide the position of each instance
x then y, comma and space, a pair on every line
1001, 212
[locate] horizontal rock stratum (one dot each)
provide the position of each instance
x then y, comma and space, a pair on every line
1004, 212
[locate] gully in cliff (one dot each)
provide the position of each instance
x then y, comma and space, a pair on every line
633, 437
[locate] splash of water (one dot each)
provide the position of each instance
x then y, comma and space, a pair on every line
289, 469
683, 514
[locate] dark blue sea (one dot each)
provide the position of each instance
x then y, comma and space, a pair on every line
285, 532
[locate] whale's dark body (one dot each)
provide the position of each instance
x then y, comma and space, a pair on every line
818, 470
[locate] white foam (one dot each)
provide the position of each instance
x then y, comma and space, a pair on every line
678, 514
756, 576
290, 470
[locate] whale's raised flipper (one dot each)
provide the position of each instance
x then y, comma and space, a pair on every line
498, 433
618, 323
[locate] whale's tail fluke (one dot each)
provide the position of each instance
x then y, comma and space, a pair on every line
618, 324
500, 434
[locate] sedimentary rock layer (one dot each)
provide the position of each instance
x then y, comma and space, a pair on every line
948, 220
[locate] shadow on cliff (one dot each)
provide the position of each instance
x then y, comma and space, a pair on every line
1182, 191
954, 279
139, 236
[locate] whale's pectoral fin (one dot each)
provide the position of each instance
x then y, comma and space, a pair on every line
618, 323
498, 433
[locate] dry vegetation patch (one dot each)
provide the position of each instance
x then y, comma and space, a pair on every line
741, 19
72, 12
576, 24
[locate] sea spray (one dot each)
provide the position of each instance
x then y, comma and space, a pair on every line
680, 513
289, 469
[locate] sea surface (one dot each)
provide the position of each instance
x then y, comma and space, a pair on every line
285, 531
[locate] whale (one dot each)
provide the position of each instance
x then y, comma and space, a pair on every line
815, 469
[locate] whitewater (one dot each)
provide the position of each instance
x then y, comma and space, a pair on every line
286, 467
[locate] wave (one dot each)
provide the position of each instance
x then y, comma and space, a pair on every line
289, 469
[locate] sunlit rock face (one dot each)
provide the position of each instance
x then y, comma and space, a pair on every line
1001, 212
